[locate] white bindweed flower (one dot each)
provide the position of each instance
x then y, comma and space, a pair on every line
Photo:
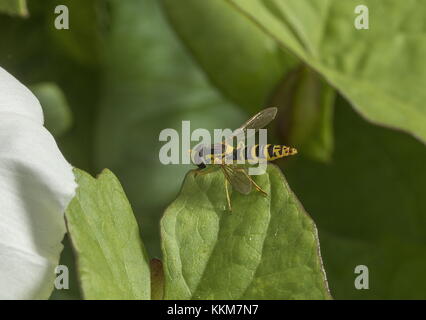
36, 185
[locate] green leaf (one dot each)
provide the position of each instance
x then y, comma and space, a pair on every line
57, 114
14, 7
240, 59
267, 248
112, 262
151, 84
380, 70
369, 205
306, 114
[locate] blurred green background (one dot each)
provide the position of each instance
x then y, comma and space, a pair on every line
125, 70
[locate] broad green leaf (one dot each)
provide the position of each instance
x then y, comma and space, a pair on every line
305, 120
150, 84
267, 248
243, 62
57, 114
14, 7
112, 262
370, 208
381, 71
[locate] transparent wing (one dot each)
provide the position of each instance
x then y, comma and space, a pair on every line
258, 121
238, 179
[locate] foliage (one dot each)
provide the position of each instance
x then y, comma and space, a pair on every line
112, 261
367, 66
266, 248
14, 7
57, 115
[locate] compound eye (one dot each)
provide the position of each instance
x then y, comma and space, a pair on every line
197, 155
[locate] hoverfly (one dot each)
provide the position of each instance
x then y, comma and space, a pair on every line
238, 177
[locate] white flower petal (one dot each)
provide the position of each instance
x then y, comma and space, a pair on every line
15, 98
36, 185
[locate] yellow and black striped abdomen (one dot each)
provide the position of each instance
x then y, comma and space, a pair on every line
270, 152
277, 151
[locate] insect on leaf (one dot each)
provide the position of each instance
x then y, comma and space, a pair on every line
266, 249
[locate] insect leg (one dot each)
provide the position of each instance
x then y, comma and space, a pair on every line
254, 183
227, 195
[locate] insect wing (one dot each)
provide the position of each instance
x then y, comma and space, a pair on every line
238, 179
258, 121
